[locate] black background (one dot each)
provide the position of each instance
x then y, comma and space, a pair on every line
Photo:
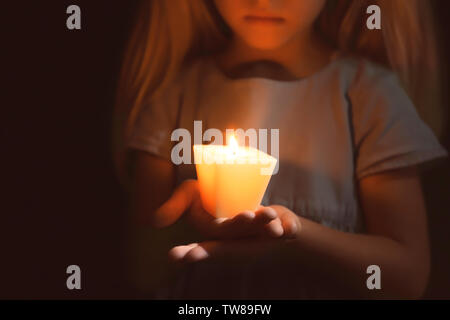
60, 201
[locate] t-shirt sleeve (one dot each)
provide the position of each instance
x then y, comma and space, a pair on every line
155, 121
388, 132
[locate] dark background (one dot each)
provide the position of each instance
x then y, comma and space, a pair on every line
61, 203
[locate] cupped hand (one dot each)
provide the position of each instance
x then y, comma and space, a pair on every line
222, 250
263, 222
239, 248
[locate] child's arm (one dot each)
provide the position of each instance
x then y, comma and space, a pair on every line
157, 203
153, 183
397, 241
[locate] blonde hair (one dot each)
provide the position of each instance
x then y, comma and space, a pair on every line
169, 34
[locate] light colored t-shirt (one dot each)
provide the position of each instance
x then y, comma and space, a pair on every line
347, 121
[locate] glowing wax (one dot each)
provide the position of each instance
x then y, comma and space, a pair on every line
232, 179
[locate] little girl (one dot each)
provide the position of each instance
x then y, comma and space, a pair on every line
347, 195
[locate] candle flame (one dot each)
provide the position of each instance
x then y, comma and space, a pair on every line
233, 142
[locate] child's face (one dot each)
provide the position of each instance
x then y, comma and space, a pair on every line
287, 18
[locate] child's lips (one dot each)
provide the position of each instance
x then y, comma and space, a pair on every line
264, 20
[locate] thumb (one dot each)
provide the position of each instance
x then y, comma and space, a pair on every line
180, 200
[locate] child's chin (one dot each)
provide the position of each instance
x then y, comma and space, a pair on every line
264, 42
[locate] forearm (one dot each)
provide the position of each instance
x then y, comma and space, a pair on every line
343, 258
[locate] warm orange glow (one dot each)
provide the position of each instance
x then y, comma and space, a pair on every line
234, 181
233, 144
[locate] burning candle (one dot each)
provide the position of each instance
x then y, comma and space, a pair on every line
232, 179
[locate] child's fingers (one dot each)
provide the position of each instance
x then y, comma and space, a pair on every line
234, 227
290, 224
265, 215
247, 223
274, 228
180, 200
197, 253
290, 228
238, 226
244, 217
179, 252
